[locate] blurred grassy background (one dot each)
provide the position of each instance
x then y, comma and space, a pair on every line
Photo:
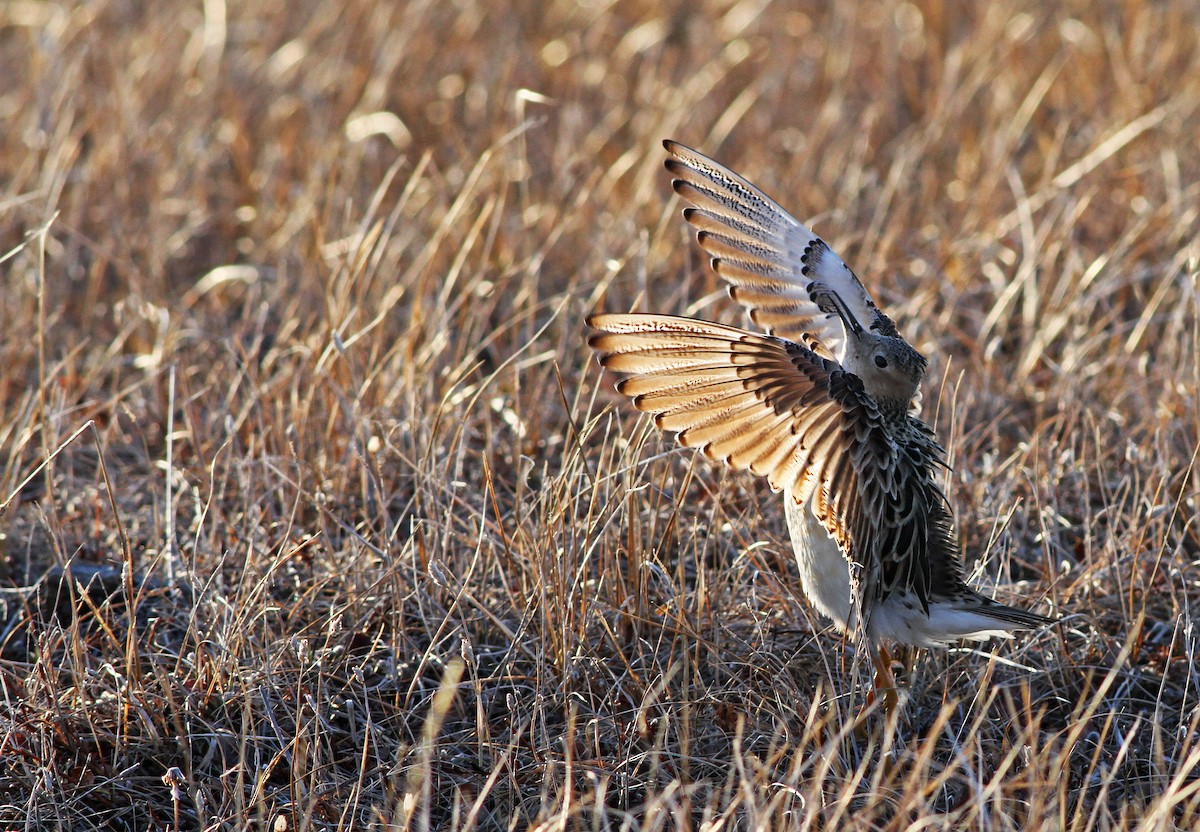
311, 278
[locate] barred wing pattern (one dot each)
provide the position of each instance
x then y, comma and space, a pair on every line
779, 410
776, 267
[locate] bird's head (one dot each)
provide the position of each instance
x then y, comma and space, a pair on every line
889, 368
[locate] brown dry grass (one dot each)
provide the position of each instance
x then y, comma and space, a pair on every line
310, 277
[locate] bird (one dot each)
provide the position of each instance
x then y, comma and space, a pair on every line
823, 403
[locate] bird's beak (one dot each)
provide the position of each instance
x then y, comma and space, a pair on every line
848, 319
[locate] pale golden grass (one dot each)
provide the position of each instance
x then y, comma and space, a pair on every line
306, 282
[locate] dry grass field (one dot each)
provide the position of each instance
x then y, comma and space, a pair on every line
318, 513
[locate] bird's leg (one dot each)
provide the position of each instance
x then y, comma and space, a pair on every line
907, 656
884, 681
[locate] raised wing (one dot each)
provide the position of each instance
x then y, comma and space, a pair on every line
753, 402
779, 270
779, 410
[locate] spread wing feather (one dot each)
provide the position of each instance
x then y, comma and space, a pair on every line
776, 268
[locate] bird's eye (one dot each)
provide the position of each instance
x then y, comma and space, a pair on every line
880, 362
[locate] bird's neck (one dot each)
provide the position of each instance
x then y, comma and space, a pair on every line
893, 410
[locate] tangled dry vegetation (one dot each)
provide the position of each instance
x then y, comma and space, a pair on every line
339, 527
